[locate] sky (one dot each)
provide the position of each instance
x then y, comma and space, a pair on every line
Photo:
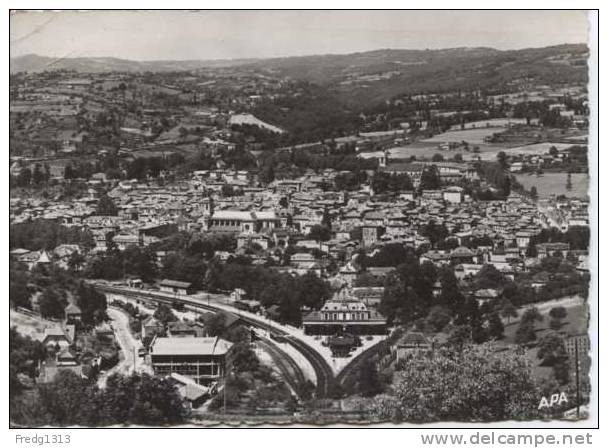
181, 35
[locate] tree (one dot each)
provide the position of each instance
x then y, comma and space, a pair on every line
407, 293
244, 359
140, 399
450, 295
438, 318
551, 349
215, 324
507, 310
312, 291
558, 312
141, 263
525, 332
430, 179
68, 400
502, 159
76, 261
51, 303
459, 336
106, 207
533, 193
19, 292
164, 314
475, 384
92, 304
437, 157
433, 232
532, 315
368, 380
496, 329
489, 277
319, 233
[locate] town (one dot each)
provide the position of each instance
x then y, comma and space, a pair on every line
200, 244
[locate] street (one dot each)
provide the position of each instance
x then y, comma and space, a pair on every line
128, 344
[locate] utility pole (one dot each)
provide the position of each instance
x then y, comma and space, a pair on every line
578, 393
225, 386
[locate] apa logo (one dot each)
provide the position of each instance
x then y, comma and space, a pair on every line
556, 399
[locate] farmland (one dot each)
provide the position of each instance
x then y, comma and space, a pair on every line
555, 183
473, 136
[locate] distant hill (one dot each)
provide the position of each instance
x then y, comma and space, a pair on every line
35, 63
376, 75
331, 68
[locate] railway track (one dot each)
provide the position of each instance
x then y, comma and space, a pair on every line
323, 372
288, 367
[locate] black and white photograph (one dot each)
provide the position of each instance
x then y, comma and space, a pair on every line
301, 217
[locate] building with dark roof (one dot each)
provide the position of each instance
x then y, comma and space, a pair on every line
176, 287
344, 314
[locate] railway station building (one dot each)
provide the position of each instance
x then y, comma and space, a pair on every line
344, 313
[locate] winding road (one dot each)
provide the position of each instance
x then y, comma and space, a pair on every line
129, 347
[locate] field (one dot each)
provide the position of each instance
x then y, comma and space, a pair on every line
249, 119
471, 136
576, 322
418, 150
490, 122
555, 183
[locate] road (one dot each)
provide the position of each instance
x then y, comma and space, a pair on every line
323, 371
129, 347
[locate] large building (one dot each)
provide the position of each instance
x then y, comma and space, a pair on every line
344, 314
205, 360
248, 222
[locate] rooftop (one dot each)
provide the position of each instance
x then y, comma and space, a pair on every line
190, 346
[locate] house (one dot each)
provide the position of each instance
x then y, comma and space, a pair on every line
301, 259
379, 273
369, 295
523, 239
72, 313
370, 233
438, 258
486, 295
193, 394
453, 195
462, 254
412, 342
348, 273
176, 287
549, 249
66, 358
55, 336
237, 294
180, 330
44, 259
466, 270
151, 327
